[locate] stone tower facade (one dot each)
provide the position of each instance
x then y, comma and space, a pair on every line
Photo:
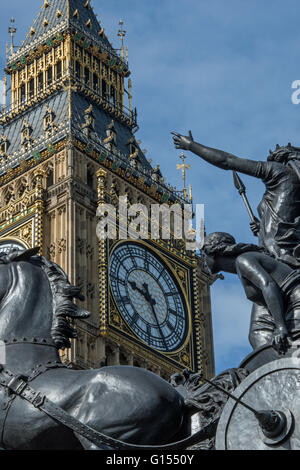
67, 147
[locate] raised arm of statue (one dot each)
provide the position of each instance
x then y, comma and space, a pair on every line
218, 158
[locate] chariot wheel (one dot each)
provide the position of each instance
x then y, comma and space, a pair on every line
273, 392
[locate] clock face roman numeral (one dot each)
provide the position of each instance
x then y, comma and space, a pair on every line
173, 312
146, 262
134, 319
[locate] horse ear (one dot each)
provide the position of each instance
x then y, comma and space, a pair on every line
25, 255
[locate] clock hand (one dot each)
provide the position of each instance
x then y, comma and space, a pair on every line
136, 288
145, 293
152, 302
148, 295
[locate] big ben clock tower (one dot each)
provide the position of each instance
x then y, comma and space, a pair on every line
68, 146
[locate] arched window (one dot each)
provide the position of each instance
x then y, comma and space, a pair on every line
22, 93
58, 70
50, 179
49, 76
112, 96
104, 89
86, 76
78, 69
40, 81
31, 88
90, 177
95, 83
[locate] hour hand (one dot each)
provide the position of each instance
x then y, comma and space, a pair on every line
148, 295
135, 287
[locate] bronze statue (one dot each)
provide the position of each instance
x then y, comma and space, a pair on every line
266, 281
119, 407
279, 227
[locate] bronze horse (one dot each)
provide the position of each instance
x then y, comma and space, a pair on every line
129, 404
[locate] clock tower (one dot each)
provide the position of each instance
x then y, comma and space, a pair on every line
67, 147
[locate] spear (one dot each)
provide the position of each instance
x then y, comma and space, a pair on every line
238, 183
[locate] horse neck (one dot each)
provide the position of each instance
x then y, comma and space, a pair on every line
26, 309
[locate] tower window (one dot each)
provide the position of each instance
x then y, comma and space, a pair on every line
78, 70
90, 177
40, 81
49, 76
31, 88
86, 76
113, 96
104, 89
58, 70
22, 93
50, 179
95, 82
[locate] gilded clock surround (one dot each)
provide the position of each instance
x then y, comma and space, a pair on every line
66, 148
117, 321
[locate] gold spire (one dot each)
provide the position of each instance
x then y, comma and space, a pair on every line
12, 31
4, 92
122, 34
183, 167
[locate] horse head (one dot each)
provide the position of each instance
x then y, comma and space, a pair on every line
36, 299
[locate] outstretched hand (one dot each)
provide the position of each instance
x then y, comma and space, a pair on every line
183, 142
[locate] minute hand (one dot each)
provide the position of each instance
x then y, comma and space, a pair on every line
152, 302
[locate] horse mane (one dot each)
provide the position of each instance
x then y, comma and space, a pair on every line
63, 292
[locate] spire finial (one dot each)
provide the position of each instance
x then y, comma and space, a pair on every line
183, 167
122, 34
12, 31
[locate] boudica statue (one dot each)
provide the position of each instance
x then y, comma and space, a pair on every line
279, 227
264, 410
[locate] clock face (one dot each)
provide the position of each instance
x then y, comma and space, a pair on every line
148, 297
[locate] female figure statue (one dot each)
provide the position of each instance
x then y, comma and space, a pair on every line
266, 281
279, 227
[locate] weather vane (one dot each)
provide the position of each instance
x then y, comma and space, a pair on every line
183, 167
12, 31
122, 34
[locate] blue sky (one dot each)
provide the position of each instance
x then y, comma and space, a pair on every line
223, 70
